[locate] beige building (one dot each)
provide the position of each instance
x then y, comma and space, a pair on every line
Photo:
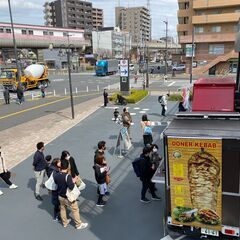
97, 18
135, 20
214, 23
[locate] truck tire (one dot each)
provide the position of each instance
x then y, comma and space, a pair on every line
45, 83
39, 85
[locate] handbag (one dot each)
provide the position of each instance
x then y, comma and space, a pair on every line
73, 194
80, 184
50, 184
108, 179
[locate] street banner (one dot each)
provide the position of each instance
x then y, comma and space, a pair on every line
125, 138
195, 167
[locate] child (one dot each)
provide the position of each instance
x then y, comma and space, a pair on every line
48, 159
116, 114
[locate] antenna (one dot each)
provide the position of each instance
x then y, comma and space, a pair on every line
148, 5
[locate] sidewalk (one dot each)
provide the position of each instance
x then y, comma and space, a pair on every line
124, 217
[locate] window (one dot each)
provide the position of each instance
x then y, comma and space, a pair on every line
216, 49
50, 33
216, 29
199, 30
45, 33
236, 28
24, 32
8, 30
1, 30
30, 32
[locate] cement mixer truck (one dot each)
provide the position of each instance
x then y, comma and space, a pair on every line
34, 76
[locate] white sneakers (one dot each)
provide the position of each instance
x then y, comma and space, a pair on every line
82, 226
1, 193
13, 186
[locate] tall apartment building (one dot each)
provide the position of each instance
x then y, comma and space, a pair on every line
72, 14
212, 26
97, 17
135, 20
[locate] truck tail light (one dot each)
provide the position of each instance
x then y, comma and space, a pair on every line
230, 231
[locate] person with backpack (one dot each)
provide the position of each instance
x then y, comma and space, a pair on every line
127, 120
146, 173
163, 102
146, 130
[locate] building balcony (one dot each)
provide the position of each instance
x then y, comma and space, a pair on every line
184, 12
183, 27
209, 38
216, 18
203, 4
183, 1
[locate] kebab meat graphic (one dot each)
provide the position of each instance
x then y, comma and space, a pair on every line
204, 180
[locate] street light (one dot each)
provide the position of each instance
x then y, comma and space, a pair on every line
14, 42
166, 46
68, 51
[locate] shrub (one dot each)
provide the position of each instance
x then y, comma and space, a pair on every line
175, 97
134, 97
90, 68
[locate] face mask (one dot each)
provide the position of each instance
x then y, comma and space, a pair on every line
155, 150
68, 157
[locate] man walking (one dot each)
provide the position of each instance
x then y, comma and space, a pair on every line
163, 103
39, 166
64, 181
105, 97
6, 95
146, 174
20, 95
127, 120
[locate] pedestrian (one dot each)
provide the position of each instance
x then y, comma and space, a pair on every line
43, 91
154, 156
48, 159
101, 170
105, 97
115, 114
127, 120
146, 174
54, 168
146, 130
39, 167
163, 103
73, 171
100, 151
6, 95
20, 94
64, 181
5, 174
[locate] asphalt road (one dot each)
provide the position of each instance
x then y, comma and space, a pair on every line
14, 114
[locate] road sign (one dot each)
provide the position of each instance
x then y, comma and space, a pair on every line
124, 69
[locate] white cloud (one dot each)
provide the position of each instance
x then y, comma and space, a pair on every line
22, 4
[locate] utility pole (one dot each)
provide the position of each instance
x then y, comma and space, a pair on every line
147, 75
14, 43
166, 47
193, 50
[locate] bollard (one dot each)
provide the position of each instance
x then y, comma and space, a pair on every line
76, 90
32, 96
109, 87
87, 88
98, 88
65, 91
54, 93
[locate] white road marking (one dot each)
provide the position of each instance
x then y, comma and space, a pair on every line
169, 238
145, 109
142, 112
136, 108
171, 84
58, 80
132, 114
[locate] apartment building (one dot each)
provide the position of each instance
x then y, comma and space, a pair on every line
212, 26
136, 21
73, 14
97, 18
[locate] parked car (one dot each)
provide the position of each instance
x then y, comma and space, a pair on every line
131, 67
179, 67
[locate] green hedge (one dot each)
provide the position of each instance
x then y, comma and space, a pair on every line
134, 97
90, 68
178, 97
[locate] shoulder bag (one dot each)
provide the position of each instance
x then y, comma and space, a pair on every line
73, 194
50, 184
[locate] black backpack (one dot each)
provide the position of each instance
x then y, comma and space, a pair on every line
160, 99
136, 166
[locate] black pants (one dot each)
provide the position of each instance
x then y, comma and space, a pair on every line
4, 177
147, 184
163, 110
7, 100
147, 139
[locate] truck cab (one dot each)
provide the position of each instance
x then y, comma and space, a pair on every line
8, 78
101, 68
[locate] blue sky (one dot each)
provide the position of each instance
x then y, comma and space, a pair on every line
31, 12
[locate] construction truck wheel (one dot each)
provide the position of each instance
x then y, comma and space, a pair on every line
45, 84
39, 85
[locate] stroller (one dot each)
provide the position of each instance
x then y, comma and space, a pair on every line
121, 100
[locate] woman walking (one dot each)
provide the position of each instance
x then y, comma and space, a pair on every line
146, 130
